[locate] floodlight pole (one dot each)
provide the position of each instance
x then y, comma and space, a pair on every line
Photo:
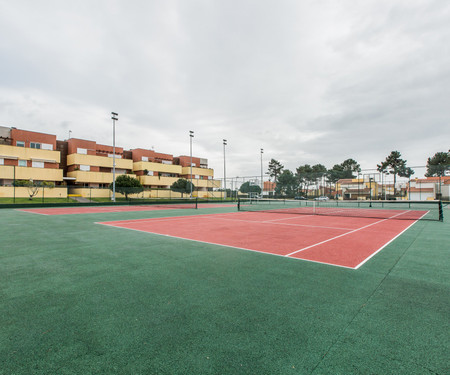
114, 117
224, 170
262, 182
191, 135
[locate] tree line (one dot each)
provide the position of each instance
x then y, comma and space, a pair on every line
290, 184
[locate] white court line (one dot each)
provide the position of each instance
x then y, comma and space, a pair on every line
298, 216
387, 243
342, 235
217, 216
30, 212
223, 245
166, 218
271, 222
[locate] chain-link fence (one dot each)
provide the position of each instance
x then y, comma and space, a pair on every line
366, 185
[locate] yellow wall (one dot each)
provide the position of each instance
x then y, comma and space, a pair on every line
197, 171
156, 167
168, 181
27, 173
94, 177
99, 161
26, 153
23, 192
207, 183
154, 193
157, 181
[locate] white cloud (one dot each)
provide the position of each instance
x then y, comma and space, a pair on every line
310, 82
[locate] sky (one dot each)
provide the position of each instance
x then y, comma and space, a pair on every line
308, 81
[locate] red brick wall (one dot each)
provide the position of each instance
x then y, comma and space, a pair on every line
104, 150
185, 161
74, 143
138, 153
27, 137
153, 156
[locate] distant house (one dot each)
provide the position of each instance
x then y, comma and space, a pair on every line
429, 188
354, 188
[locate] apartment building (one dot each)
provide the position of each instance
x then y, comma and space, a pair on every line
202, 177
85, 167
90, 165
29, 156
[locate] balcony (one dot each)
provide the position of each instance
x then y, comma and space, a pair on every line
156, 167
168, 181
197, 171
98, 161
28, 173
93, 177
25, 153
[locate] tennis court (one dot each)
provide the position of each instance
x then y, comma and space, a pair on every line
176, 294
344, 241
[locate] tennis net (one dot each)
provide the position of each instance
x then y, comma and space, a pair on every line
400, 210
176, 203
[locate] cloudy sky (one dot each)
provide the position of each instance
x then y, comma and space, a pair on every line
309, 81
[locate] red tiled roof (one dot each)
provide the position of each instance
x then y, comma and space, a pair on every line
421, 190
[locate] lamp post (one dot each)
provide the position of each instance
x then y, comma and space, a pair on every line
262, 182
114, 117
191, 135
70, 134
224, 170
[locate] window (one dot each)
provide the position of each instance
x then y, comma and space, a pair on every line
85, 168
149, 173
82, 151
47, 146
196, 176
35, 145
166, 161
37, 164
2, 161
22, 163
20, 144
145, 158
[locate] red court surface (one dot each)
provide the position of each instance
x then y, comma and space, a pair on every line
106, 209
340, 241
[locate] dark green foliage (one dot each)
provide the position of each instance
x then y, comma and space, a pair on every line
19, 183
127, 185
287, 184
438, 164
275, 168
395, 165
247, 187
182, 186
349, 167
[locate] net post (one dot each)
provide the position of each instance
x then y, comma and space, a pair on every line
239, 204
441, 211
196, 202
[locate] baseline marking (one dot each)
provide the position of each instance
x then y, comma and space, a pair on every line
341, 235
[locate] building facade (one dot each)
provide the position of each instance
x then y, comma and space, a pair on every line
29, 157
85, 168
